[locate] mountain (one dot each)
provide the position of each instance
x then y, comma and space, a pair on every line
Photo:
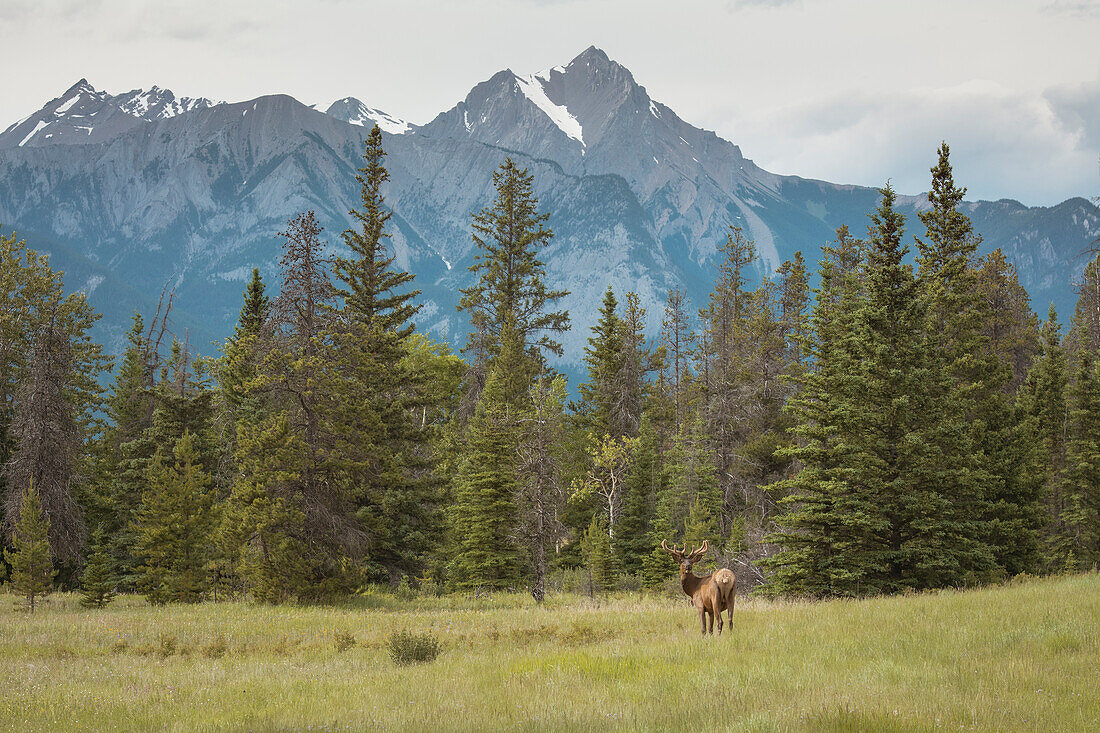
129, 192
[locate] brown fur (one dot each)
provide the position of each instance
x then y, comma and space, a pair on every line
710, 594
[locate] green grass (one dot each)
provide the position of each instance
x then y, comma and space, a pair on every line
1020, 657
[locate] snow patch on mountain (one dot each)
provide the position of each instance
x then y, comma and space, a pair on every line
351, 110
532, 88
42, 124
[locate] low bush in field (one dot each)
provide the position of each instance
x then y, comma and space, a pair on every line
344, 640
216, 649
409, 648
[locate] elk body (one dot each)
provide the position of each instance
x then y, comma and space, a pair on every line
710, 594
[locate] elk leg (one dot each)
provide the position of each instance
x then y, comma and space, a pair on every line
710, 622
719, 615
703, 620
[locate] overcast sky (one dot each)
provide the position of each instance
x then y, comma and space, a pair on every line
845, 90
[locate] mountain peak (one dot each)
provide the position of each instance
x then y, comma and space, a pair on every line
592, 54
80, 86
351, 110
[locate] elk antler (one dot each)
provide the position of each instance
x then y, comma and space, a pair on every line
698, 554
677, 554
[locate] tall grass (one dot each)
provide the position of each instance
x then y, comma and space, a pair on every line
1019, 657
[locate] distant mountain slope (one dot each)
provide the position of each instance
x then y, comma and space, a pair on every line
130, 191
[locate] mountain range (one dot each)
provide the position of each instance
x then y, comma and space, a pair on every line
131, 192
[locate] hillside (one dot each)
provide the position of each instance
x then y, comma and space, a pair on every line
128, 192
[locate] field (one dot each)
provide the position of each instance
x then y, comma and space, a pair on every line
1025, 656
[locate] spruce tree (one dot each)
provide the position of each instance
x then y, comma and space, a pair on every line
484, 512
98, 582
31, 561
47, 440
599, 561
1044, 417
603, 358
967, 380
174, 525
375, 397
829, 537
1079, 542
373, 289
511, 284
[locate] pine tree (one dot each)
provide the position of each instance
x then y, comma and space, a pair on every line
484, 514
966, 379
31, 561
98, 582
643, 484
599, 561
291, 519
1044, 406
829, 538
678, 339
174, 525
1084, 333
511, 282
1080, 517
375, 397
540, 496
373, 290
238, 366
603, 357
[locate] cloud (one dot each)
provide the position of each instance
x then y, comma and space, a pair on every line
1039, 147
1076, 8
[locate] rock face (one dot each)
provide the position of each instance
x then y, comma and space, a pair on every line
130, 192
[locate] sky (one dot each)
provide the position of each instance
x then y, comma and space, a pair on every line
850, 91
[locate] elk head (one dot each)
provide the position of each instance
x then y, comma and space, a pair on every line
683, 557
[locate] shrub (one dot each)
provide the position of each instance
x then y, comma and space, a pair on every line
344, 640
167, 646
409, 648
216, 649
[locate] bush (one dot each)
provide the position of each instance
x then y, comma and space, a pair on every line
409, 648
167, 646
216, 649
344, 640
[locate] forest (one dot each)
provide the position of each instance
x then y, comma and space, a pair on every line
886, 424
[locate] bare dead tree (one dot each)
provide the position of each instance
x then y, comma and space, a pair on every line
47, 439
540, 495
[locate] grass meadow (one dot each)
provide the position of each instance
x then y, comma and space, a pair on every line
1025, 656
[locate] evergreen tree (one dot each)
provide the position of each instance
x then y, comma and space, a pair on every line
174, 526
373, 290
291, 521
1084, 333
972, 416
1079, 542
484, 514
238, 366
678, 338
1044, 407
511, 282
98, 582
47, 441
375, 398
32, 570
599, 561
641, 489
829, 537
603, 357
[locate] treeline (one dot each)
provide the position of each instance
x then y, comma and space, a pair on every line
897, 427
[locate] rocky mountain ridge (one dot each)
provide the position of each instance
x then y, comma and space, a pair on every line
131, 191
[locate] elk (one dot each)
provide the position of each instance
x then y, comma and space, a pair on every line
710, 594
